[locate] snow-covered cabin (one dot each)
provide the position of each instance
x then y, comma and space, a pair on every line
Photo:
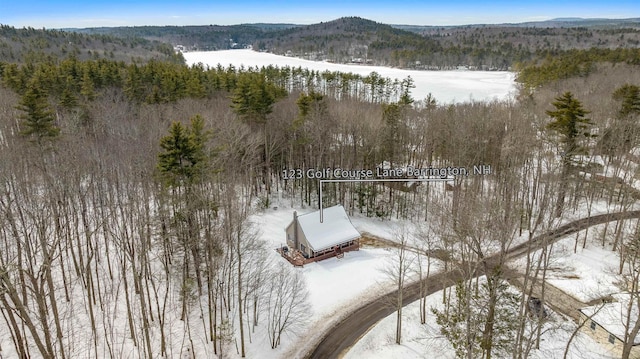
314, 240
607, 325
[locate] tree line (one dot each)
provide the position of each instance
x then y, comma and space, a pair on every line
552, 67
162, 82
23, 45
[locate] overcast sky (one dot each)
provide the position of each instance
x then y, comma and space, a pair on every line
88, 13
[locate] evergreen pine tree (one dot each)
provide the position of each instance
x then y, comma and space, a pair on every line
134, 84
37, 119
629, 95
194, 87
463, 321
177, 159
392, 116
624, 132
87, 88
68, 99
405, 93
254, 96
570, 123
182, 159
253, 100
198, 137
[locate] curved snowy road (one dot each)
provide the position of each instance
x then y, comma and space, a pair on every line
348, 331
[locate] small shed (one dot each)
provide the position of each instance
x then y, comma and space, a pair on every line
607, 325
316, 241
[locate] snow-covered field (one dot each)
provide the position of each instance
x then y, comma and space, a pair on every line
446, 86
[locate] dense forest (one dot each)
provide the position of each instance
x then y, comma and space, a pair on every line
36, 45
129, 183
353, 39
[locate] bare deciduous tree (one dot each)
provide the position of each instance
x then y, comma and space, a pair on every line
286, 302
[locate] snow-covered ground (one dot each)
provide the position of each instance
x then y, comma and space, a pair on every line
446, 86
336, 286
425, 340
589, 273
331, 282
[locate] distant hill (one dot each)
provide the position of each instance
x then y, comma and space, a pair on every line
438, 47
594, 22
265, 26
205, 37
349, 39
36, 45
566, 22
354, 39
569, 22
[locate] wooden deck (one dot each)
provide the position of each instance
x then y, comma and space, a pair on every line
296, 258
293, 256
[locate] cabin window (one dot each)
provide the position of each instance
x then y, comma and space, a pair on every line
303, 249
593, 325
612, 338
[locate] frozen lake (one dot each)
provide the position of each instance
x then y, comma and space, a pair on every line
446, 86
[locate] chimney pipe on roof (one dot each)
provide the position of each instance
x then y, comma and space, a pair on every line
295, 230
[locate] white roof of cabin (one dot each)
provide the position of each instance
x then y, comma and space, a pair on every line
336, 228
612, 316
